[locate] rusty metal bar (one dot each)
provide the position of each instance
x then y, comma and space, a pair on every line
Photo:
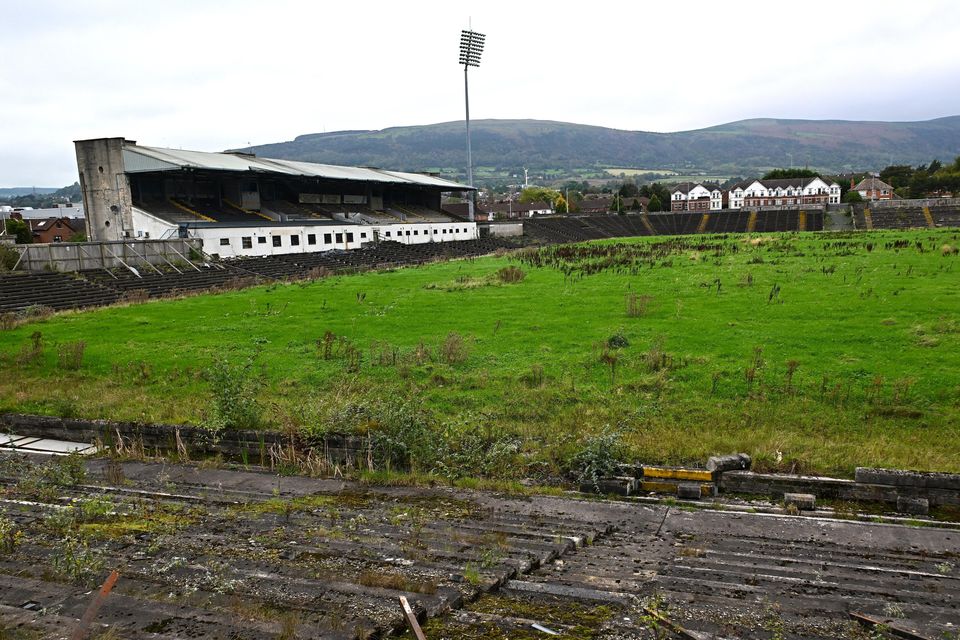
83, 627
411, 619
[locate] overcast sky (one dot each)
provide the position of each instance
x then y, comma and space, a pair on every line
209, 75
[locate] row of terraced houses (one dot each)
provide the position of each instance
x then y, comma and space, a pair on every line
751, 194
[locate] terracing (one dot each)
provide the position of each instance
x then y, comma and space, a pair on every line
208, 552
19, 291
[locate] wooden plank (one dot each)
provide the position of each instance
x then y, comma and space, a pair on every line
411, 619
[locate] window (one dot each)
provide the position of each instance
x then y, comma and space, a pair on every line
327, 238
387, 234
363, 236
339, 238
408, 232
58, 238
247, 242
311, 238
415, 232
277, 241
350, 237
262, 240
224, 242
294, 241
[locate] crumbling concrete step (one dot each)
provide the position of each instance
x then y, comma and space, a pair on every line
576, 593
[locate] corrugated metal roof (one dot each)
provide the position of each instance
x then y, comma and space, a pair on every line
138, 159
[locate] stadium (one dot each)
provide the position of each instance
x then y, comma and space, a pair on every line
240, 205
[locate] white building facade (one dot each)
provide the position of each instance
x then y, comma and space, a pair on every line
783, 192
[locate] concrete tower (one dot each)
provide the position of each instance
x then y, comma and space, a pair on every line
107, 203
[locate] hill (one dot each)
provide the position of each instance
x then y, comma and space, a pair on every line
744, 147
12, 192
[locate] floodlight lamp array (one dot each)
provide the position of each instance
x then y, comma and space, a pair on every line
471, 47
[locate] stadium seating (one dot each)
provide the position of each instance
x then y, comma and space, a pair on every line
59, 291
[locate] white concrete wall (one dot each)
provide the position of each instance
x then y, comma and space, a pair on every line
147, 226
228, 242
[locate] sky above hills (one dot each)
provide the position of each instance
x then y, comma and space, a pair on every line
210, 75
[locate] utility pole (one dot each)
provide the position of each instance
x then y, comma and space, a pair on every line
471, 48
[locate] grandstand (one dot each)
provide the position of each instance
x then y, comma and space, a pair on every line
578, 229
239, 205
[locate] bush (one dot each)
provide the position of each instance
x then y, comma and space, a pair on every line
454, 348
401, 435
8, 257
598, 457
235, 404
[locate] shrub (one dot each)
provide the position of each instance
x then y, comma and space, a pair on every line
454, 348
618, 340
8, 257
70, 355
234, 395
401, 436
598, 457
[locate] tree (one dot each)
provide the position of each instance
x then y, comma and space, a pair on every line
560, 205
852, 197
629, 190
654, 204
636, 205
539, 194
617, 203
778, 174
19, 229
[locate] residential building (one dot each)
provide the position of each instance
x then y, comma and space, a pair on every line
696, 196
783, 192
873, 188
55, 229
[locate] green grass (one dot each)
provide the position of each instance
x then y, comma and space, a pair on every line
874, 336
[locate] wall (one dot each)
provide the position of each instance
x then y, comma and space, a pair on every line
77, 256
262, 238
503, 229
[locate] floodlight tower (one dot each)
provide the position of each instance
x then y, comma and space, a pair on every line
471, 48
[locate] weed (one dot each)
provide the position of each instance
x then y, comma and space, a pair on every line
511, 274
70, 355
135, 296
235, 403
453, 349
31, 353
637, 305
76, 562
471, 574
9, 534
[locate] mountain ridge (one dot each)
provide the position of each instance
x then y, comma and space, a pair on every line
743, 146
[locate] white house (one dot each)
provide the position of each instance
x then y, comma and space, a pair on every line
783, 192
696, 196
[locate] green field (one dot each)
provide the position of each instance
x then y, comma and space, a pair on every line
812, 352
